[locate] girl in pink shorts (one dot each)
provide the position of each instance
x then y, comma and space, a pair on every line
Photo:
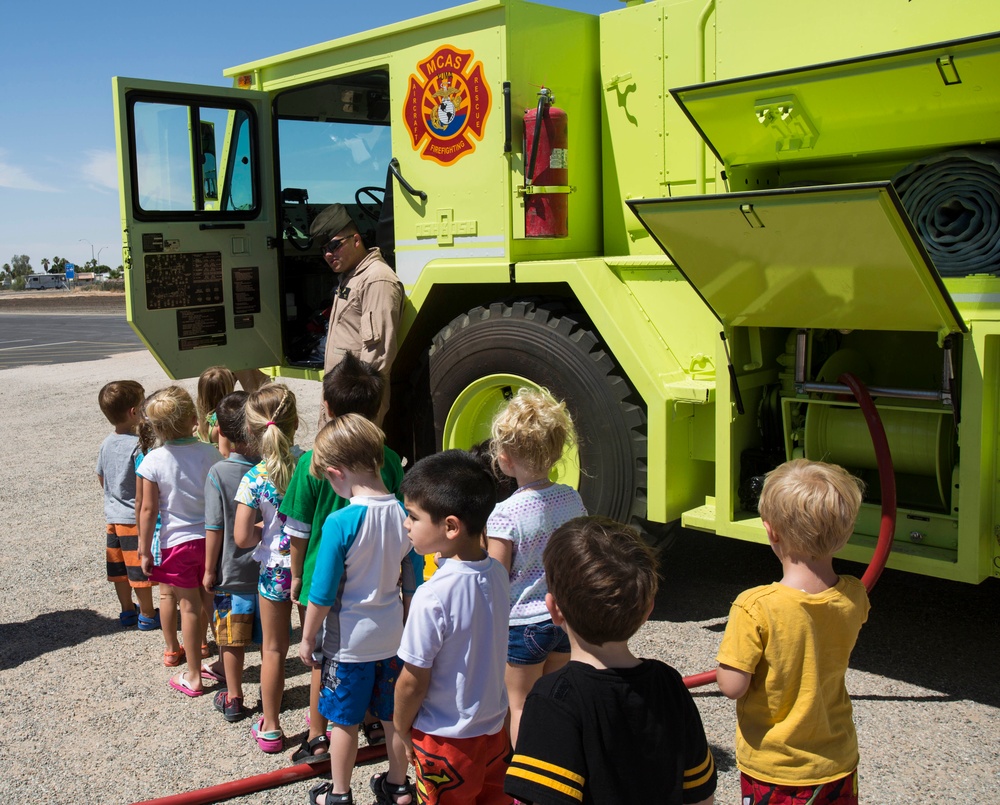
174, 489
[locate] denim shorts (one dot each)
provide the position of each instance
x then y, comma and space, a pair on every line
352, 688
531, 643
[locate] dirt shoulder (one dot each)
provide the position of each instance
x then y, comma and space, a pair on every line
51, 301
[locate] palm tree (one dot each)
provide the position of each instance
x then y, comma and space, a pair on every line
45, 264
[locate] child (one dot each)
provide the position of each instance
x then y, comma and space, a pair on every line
213, 384
608, 727
354, 619
528, 439
271, 422
175, 489
166, 613
351, 387
120, 402
450, 697
795, 738
230, 571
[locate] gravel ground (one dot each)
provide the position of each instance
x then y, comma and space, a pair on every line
88, 717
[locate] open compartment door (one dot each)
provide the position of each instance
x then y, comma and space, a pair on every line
198, 212
841, 256
907, 101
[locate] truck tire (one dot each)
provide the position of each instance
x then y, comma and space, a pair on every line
483, 356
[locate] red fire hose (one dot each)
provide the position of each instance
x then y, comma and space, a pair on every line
259, 782
303, 771
888, 483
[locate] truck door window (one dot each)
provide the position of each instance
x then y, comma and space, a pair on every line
334, 138
176, 149
332, 159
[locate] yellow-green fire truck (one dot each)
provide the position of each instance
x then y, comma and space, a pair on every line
687, 219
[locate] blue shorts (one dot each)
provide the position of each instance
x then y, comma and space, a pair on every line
531, 643
350, 689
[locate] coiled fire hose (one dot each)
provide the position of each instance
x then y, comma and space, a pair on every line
953, 200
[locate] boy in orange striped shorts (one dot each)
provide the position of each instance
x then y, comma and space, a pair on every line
120, 401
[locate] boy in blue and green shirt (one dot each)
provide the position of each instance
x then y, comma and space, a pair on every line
351, 387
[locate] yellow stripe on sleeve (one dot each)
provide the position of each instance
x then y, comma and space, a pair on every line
551, 767
708, 766
548, 782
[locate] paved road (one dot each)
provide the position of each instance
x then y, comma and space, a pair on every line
41, 339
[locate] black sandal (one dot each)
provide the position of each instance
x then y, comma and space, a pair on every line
305, 753
320, 789
375, 726
386, 793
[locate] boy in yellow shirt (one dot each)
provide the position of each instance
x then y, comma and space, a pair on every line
787, 645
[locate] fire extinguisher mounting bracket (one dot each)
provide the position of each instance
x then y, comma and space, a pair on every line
536, 189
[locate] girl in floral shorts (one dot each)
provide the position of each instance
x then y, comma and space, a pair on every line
271, 421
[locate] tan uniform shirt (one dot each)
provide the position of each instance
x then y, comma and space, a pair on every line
365, 317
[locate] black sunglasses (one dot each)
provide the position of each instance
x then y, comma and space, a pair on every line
335, 243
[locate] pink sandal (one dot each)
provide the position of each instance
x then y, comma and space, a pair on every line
270, 742
180, 683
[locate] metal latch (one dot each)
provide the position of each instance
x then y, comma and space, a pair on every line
788, 122
751, 217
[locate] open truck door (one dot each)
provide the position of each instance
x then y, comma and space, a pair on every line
200, 231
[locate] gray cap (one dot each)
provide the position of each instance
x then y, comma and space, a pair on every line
329, 222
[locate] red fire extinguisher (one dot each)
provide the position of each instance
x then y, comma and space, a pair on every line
546, 178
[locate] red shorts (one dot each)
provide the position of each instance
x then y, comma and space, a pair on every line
462, 771
838, 792
181, 566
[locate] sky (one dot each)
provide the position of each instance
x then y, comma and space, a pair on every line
58, 169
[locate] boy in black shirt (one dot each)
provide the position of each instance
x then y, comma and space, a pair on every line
609, 727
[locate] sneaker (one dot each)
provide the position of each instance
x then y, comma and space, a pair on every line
231, 709
149, 624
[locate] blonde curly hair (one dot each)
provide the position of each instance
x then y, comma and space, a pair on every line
271, 421
533, 429
171, 413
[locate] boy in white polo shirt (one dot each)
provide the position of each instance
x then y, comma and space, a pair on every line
450, 696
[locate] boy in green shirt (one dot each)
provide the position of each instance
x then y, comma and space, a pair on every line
351, 387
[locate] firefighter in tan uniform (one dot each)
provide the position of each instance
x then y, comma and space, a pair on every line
367, 302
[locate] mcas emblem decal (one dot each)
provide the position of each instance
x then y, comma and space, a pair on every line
447, 104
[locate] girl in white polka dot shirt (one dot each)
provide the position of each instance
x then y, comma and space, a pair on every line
529, 436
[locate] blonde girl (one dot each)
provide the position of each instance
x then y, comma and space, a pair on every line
529, 436
168, 604
271, 421
174, 490
214, 384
